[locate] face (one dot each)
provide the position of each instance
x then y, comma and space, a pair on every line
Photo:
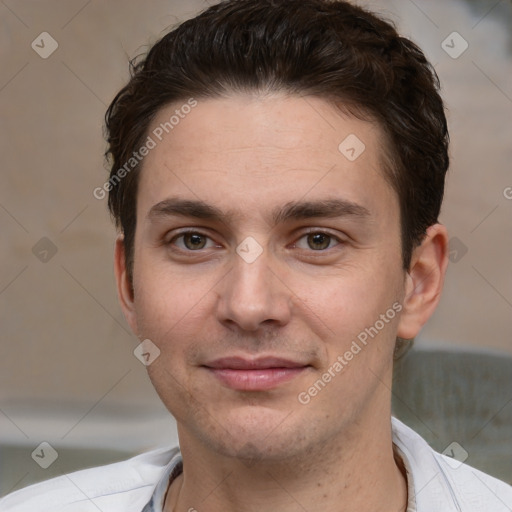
268, 273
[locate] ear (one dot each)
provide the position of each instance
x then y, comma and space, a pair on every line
124, 287
424, 281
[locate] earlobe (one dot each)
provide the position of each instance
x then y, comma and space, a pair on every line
124, 286
424, 281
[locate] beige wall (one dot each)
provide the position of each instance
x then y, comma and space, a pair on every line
67, 372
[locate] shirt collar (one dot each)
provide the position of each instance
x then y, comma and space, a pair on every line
175, 468
411, 496
171, 471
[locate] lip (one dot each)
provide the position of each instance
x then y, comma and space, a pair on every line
257, 374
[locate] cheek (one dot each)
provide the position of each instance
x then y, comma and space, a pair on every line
358, 293
168, 322
174, 305
349, 302
167, 303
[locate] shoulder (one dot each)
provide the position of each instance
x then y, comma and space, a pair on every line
476, 491
443, 482
126, 486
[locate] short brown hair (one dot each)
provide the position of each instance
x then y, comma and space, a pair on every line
330, 49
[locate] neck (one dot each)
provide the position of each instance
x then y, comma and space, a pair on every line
357, 471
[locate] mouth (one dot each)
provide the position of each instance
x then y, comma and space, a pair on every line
259, 374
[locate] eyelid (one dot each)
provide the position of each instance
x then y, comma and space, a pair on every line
185, 231
303, 233
324, 231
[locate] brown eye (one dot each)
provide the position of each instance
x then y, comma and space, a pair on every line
191, 241
194, 241
318, 241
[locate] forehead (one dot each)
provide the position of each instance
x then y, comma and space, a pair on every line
249, 152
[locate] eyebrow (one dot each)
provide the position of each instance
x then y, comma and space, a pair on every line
293, 210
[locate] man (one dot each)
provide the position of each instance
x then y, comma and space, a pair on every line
277, 175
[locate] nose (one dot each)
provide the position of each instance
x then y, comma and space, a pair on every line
252, 294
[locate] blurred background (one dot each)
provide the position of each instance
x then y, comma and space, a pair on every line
68, 375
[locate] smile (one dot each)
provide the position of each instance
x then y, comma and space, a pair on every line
256, 374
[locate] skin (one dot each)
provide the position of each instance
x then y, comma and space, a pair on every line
301, 300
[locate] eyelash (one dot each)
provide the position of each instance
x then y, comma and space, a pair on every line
311, 231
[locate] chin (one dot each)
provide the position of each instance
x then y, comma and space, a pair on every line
258, 432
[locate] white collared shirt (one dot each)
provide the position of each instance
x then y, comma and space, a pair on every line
436, 483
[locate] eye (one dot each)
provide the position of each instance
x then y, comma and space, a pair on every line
191, 241
317, 241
